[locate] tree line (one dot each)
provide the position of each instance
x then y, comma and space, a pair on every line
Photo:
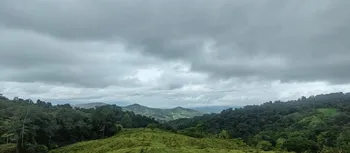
315, 124
36, 127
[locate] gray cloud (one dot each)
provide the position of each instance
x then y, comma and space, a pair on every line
180, 50
303, 36
27, 56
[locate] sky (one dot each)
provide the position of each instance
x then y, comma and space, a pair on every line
167, 53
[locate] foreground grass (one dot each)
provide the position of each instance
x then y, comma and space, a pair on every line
155, 141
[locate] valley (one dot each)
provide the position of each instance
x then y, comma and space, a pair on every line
159, 114
315, 124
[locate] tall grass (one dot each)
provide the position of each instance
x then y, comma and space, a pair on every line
156, 141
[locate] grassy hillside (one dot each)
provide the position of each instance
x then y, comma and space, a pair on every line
319, 118
163, 114
155, 141
315, 124
328, 112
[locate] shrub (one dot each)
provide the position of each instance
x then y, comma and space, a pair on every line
38, 149
119, 128
152, 126
265, 145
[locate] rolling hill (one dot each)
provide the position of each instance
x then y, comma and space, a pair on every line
90, 105
315, 124
163, 114
156, 113
156, 141
212, 109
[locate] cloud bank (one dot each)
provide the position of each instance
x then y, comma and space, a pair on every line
166, 53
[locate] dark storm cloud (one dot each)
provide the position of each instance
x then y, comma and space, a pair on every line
27, 56
292, 40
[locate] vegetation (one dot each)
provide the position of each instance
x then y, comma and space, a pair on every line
163, 114
8, 148
212, 109
39, 127
156, 113
156, 141
316, 124
90, 105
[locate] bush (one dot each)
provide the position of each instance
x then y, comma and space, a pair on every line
38, 149
119, 127
53, 146
300, 144
152, 126
224, 135
265, 145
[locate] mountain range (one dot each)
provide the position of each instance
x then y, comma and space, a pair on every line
156, 113
89, 105
212, 109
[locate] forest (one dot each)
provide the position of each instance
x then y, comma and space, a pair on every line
315, 124
36, 127
312, 124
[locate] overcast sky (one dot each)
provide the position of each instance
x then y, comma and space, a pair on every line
165, 53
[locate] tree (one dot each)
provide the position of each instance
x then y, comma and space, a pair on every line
119, 127
7, 126
105, 118
300, 144
265, 145
38, 127
224, 134
343, 141
152, 126
23, 127
126, 121
3, 97
279, 143
38, 149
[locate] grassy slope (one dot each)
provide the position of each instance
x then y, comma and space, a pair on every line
328, 112
149, 141
319, 117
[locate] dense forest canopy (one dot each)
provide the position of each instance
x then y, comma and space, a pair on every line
314, 124
39, 126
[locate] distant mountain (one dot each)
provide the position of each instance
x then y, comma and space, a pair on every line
156, 113
212, 109
163, 114
90, 105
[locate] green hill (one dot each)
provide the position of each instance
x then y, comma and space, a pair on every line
156, 141
90, 105
156, 113
318, 123
163, 114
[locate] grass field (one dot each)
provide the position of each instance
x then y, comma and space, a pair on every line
156, 141
319, 118
328, 112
